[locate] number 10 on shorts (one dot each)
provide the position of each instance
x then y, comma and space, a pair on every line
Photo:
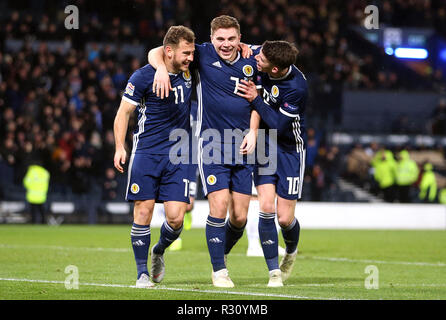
293, 185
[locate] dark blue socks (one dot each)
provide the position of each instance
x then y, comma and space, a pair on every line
167, 236
215, 238
291, 236
233, 234
269, 239
140, 236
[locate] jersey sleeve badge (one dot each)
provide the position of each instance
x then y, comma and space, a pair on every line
130, 89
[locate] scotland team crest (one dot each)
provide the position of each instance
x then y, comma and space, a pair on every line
134, 188
211, 180
187, 76
275, 91
248, 70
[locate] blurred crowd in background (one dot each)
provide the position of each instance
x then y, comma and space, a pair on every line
57, 106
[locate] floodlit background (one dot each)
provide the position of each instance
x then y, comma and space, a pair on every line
374, 92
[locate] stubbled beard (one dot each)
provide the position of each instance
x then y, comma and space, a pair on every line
177, 66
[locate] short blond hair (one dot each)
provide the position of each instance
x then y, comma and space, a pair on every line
224, 22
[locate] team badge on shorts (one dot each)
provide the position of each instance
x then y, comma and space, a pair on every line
134, 188
248, 70
211, 180
130, 89
275, 91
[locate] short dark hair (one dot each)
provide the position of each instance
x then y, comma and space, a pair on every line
177, 33
224, 22
281, 54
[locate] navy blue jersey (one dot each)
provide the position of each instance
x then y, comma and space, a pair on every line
282, 107
158, 117
193, 139
219, 107
193, 116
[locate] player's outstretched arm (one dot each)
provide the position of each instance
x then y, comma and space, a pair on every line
120, 129
161, 81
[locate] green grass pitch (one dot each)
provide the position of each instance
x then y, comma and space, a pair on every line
331, 265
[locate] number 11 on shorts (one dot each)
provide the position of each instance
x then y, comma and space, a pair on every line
293, 185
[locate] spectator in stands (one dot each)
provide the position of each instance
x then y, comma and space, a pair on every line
428, 185
312, 148
317, 183
406, 175
81, 183
331, 166
110, 185
357, 164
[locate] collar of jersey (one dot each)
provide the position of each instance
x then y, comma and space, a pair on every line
281, 78
235, 60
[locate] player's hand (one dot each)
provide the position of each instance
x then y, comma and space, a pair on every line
245, 49
120, 158
161, 83
247, 90
249, 142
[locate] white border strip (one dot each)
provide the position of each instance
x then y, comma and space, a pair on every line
161, 287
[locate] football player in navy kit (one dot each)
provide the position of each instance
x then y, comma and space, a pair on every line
281, 106
223, 162
152, 177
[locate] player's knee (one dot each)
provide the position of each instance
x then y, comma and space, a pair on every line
175, 222
268, 207
219, 209
142, 213
238, 221
284, 221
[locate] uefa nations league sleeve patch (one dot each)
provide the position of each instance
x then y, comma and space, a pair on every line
130, 89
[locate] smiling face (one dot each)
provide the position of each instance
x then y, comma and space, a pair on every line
263, 64
226, 42
181, 55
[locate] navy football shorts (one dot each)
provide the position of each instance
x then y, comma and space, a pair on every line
235, 177
193, 176
155, 177
288, 177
